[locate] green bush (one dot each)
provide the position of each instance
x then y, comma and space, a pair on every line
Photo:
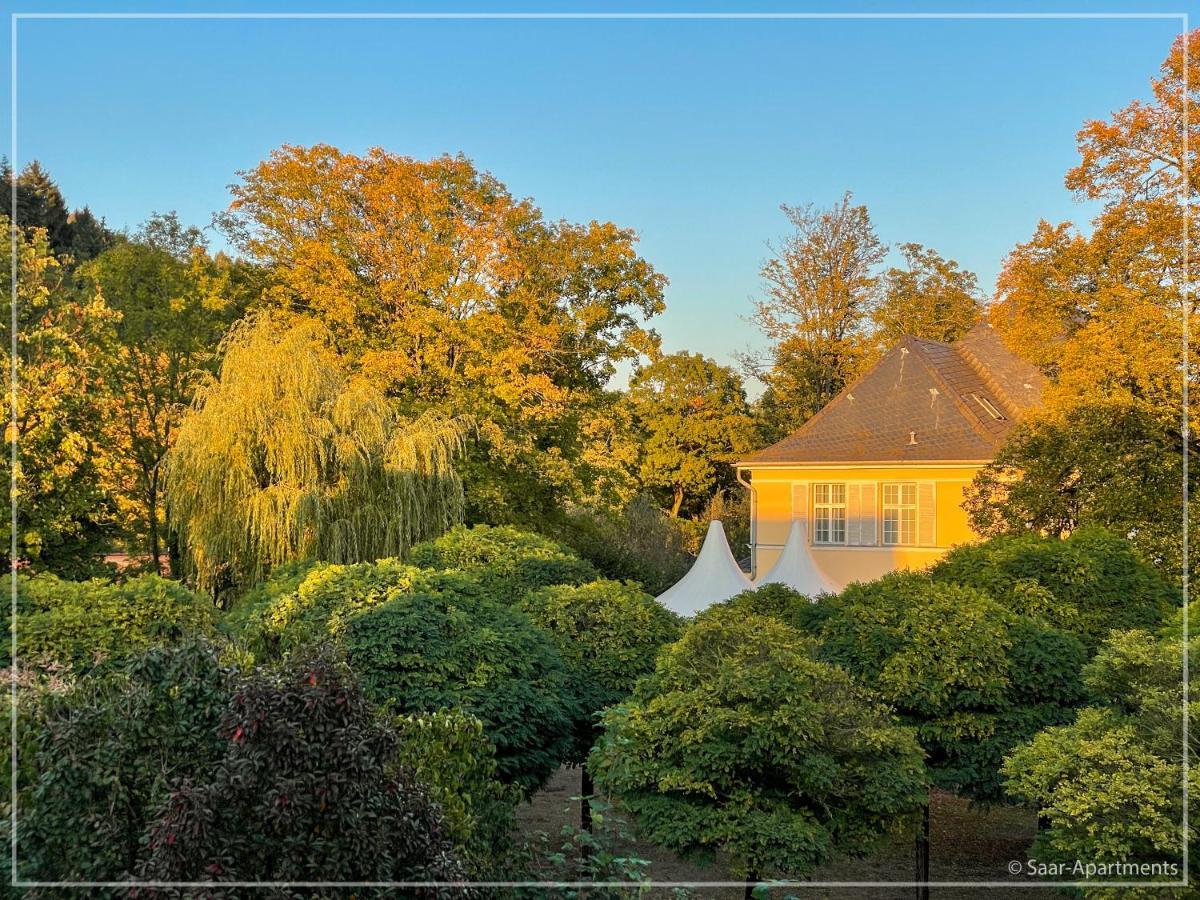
609, 634
421, 653
311, 603
1089, 583
450, 754
507, 562
1108, 785
637, 542
743, 742
973, 677
780, 602
104, 753
306, 789
83, 623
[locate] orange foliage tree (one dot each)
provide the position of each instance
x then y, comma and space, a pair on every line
1105, 316
453, 295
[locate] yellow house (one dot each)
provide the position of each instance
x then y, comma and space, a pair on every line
877, 475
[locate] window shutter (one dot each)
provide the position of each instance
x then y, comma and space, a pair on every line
926, 514
800, 505
853, 501
867, 516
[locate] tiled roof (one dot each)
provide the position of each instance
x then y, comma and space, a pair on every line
925, 401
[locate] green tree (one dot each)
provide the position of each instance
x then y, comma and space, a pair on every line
306, 789
1109, 785
449, 752
504, 561
820, 286
1088, 583
694, 415
609, 634
288, 456
974, 678
418, 652
743, 742
174, 303
64, 515
457, 297
931, 297
80, 625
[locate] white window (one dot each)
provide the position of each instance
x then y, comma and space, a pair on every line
829, 513
899, 513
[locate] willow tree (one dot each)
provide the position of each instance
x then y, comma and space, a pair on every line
288, 454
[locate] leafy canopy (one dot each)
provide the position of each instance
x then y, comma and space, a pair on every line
1088, 583
1103, 314
1109, 783
307, 788
696, 421
456, 296
420, 653
103, 754
609, 634
506, 562
743, 742
80, 625
973, 677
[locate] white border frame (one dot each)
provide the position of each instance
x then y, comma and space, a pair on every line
1182, 18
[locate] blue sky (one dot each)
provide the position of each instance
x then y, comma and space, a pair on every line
955, 133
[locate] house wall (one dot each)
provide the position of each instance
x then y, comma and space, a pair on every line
778, 495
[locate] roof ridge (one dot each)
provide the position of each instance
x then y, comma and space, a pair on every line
971, 358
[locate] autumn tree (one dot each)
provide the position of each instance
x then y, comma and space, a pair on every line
695, 420
455, 296
288, 455
64, 515
820, 288
1104, 316
930, 297
173, 303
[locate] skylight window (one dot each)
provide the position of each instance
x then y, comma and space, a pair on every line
989, 407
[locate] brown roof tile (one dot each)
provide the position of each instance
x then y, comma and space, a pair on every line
925, 401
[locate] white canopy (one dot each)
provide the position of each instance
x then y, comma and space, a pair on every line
796, 568
714, 576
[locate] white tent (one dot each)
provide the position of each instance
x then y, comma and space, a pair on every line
714, 576
796, 568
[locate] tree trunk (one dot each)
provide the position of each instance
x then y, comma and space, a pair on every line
152, 510
678, 503
586, 789
751, 884
923, 854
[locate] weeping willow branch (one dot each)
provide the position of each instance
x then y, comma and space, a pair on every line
287, 455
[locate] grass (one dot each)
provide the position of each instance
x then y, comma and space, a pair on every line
967, 844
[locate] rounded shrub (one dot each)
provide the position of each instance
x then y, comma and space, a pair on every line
1089, 583
974, 677
103, 754
85, 623
609, 634
420, 653
449, 753
742, 742
507, 562
312, 603
306, 789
